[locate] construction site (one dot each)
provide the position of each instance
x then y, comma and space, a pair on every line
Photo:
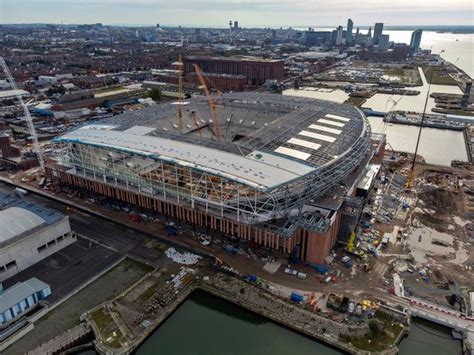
277, 171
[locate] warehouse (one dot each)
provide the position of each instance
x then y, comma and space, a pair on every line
21, 297
28, 234
269, 169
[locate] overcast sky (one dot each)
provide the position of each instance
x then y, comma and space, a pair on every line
217, 13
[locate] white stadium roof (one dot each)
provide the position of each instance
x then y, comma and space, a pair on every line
15, 221
257, 169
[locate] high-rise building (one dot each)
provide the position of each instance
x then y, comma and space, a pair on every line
339, 36
384, 42
369, 34
350, 25
236, 25
415, 40
378, 29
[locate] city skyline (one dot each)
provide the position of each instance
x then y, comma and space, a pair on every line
260, 13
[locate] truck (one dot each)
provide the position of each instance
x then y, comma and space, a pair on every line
321, 269
296, 298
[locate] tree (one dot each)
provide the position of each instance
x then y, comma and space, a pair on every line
375, 327
155, 94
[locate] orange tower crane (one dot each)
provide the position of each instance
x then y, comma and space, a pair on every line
210, 100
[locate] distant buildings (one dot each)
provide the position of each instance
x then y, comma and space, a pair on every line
339, 36
384, 43
378, 29
255, 70
317, 38
415, 40
350, 26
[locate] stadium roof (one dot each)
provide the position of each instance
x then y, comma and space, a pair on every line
15, 221
257, 169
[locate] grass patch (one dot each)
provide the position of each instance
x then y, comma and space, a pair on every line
408, 76
383, 330
102, 318
133, 265
439, 77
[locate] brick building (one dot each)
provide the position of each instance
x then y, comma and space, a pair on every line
256, 70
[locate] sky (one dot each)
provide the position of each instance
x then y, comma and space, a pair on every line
249, 13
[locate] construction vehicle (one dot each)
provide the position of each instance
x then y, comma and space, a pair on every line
210, 100
26, 111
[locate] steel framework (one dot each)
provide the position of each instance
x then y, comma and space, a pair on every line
225, 197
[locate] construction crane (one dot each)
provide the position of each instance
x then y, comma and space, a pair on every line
29, 121
180, 91
411, 174
210, 100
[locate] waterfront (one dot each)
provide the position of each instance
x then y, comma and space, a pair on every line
426, 338
383, 102
458, 47
437, 146
214, 326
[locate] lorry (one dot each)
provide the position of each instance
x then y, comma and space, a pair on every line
296, 298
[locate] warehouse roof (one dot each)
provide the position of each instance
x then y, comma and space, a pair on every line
15, 221
19, 292
258, 169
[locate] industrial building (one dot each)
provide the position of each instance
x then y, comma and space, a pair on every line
28, 234
255, 70
21, 297
271, 170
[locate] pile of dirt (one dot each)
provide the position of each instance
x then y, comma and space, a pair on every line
440, 200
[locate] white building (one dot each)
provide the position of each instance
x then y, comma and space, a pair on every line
28, 234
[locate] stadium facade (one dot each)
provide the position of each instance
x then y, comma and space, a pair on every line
277, 171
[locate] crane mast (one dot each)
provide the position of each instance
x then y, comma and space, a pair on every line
180, 91
29, 121
211, 102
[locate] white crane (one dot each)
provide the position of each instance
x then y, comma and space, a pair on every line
29, 121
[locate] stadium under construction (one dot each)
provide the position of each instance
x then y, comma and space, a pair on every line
277, 171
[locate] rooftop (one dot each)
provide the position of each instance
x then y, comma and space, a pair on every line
18, 216
265, 140
15, 221
234, 59
19, 292
261, 170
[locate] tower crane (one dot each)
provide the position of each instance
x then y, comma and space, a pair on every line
210, 100
180, 88
29, 121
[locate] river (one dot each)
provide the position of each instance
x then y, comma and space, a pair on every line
208, 325
204, 324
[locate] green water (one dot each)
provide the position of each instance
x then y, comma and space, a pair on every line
208, 325
427, 338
